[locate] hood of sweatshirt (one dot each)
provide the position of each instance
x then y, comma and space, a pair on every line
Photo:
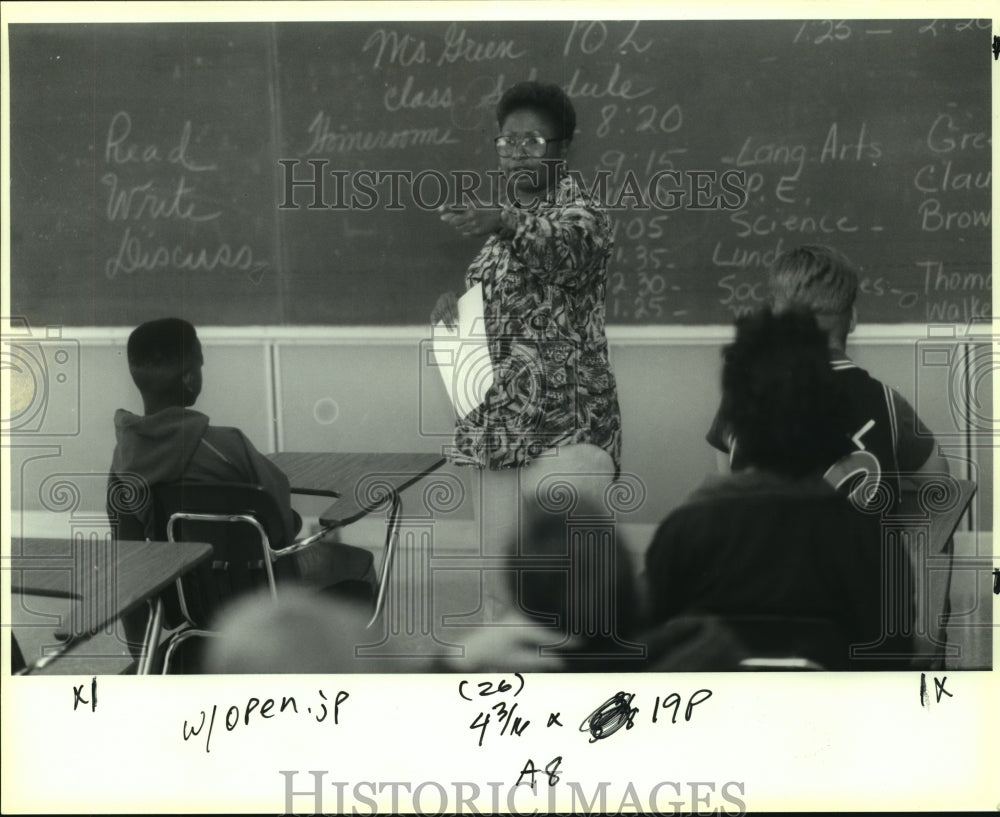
158, 446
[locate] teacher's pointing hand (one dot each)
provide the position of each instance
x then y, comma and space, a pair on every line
473, 220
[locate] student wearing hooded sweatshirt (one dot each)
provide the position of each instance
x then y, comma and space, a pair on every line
171, 442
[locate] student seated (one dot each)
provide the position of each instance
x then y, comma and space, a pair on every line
771, 551
592, 598
582, 583
298, 633
171, 442
886, 434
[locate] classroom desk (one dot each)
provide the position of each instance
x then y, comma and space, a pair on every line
359, 484
342, 475
101, 581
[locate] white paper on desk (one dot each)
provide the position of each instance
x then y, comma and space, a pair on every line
462, 354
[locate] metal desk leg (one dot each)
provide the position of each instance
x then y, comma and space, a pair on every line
150, 642
389, 555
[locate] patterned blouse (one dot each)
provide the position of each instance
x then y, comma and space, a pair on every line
544, 291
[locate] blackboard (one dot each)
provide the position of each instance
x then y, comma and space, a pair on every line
150, 163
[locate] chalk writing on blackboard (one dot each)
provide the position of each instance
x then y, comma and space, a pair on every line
139, 195
148, 180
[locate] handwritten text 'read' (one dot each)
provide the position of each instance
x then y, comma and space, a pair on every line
150, 185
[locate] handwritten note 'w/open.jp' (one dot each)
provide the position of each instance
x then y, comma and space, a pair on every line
462, 355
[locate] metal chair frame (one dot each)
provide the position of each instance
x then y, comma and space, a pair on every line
269, 556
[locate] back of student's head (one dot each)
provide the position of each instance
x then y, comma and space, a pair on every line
300, 632
781, 396
817, 279
585, 577
164, 359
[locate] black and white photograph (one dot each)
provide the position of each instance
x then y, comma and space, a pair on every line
463, 408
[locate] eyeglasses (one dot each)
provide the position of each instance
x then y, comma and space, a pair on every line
533, 145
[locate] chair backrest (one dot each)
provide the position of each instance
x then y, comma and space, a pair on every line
242, 523
936, 508
126, 503
922, 518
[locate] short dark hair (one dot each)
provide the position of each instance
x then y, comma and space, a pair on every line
780, 395
160, 352
546, 98
819, 279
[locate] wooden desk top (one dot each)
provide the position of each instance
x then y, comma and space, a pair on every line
104, 580
358, 481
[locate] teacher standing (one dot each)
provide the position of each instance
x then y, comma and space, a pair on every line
543, 268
